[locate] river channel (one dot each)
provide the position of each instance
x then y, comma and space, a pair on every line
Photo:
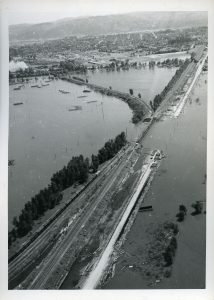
179, 180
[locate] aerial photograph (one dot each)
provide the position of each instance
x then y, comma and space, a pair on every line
107, 151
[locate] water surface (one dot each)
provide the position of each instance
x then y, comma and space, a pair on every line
179, 180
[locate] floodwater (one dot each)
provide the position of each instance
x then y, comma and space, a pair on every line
147, 82
179, 180
44, 134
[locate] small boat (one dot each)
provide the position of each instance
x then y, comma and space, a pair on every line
64, 92
154, 165
11, 162
36, 85
81, 96
86, 91
146, 208
76, 107
18, 103
45, 84
17, 88
48, 80
91, 101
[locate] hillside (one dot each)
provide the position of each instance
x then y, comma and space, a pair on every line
107, 24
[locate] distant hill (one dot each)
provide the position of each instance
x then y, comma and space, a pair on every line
107, 24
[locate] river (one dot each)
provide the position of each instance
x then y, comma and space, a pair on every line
44, 134
179, 180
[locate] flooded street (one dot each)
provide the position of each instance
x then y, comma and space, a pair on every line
179, 180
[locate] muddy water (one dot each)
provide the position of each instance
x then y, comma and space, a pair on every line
180, 179
44, 134
148, 82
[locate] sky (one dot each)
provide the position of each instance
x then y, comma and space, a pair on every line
26, 11
38, 11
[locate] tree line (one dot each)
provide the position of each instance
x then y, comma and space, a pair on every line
159, 98
76, 171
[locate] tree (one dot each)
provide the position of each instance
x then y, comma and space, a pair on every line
131, 92
94, 163
198, 206
15, 222
151, 104
183, 208
180, 216
77, 170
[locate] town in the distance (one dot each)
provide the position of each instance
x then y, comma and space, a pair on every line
107, 152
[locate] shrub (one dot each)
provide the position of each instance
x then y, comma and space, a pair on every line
198, 206
180, 216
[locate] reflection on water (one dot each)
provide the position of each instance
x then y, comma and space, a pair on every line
147, 82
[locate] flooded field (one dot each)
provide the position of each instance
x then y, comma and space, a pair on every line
50, 127
181, 179
148, 82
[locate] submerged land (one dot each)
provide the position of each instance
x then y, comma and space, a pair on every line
77, 232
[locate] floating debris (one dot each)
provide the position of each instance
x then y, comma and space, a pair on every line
91, 101
18, 103
146, 208
11, 162
36, 85
64, 92
17, 88
146, 120
76, 107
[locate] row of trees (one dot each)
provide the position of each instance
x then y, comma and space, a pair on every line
159, 98
76, 171
28, 72
175, 62
72, 65
109, 150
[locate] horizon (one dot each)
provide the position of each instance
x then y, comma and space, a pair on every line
90, 16
29, 12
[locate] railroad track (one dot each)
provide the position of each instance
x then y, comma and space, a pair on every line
26, 259
59, 251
